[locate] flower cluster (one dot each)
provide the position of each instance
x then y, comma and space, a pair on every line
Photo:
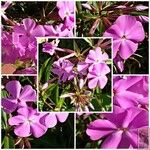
120, 129
19, 46
24, 117
90, 69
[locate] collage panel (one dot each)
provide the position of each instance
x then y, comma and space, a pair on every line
126, 22
75, 75
23, 126
22, 22
127, 127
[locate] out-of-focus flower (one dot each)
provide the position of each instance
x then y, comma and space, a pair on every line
18, 96
50, 119
96, 56
127, 32
141, 7
87, 6
97, 75
125, 95
143, 19
3, 9
51, 47
64, 69
119, 63
30, 70
10, 53
66, 12
58, 31
119, 129
27, 123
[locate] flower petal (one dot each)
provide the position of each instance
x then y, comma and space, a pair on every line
62, 116
38, 129
100, 128
29, 24
102, 81
16, 120
50, 120
113, 140
92, 83
9, 105
22, 130
28, 94
136, 33
14, 88
127, 48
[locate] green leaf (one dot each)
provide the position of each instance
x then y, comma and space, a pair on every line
4, 93
8, 142
4, 120
45, 70
89, 41
75, 47
109, 61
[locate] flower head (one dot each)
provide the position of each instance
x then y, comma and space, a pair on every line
64, 69
18, 96
119, 129
96, 56
127, 32
97, 75
27, 123
66, 11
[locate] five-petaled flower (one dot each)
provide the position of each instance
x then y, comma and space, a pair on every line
127, 32
27, 122
18, 96
119, 129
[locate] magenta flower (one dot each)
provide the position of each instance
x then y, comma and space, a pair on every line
27, 123
119, 130
18, 96
126, 93
66, 12
96, 56
97, 75
64, 69
127, 32
9, 52
50, 119
49, 48
25, 34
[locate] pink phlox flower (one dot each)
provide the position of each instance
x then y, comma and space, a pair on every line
64, 70
96, 56
27, 123
66, 12
127, 32
119, 130
18, 96
97, 75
